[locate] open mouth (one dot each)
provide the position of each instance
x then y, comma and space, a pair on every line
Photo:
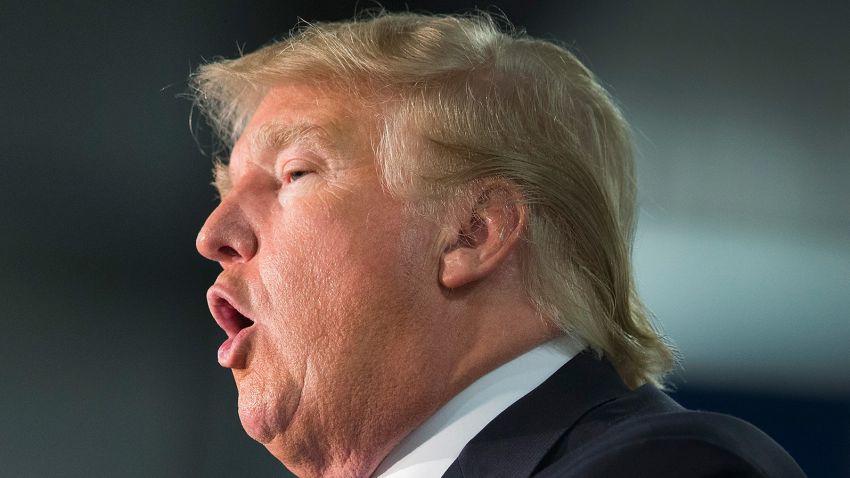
233, 352
228, 318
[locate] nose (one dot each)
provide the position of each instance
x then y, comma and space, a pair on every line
227, 237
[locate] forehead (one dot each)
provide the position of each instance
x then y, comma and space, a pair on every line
304, 114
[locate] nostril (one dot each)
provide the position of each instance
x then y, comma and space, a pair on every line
228, 251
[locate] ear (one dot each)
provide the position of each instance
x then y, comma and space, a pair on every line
486, 237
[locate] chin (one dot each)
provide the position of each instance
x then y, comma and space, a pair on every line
259, 422
265, 404
261, 412
269, 428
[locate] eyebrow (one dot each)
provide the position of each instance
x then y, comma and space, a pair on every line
221, 177
275, 136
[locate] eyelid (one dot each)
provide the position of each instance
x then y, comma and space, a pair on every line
296, 165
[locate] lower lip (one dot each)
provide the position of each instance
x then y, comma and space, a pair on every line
233, 353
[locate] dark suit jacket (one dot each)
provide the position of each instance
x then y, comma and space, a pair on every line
584, 422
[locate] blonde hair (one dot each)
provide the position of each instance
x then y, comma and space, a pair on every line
462, 100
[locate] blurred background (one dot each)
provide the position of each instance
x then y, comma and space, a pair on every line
742, 119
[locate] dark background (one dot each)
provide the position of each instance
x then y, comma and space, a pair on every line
742, 113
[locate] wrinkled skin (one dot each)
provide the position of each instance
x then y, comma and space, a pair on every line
367, 317
331, 269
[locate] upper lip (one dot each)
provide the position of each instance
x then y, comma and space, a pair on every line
226, 311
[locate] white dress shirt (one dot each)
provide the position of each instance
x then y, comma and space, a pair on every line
430, 449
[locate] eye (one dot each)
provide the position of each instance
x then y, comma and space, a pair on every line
293, 170
293, 176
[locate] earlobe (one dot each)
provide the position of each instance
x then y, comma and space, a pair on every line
456, 267
487, 237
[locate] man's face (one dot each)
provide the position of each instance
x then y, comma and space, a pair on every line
327, 292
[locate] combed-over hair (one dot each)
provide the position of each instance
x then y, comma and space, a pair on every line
464, 100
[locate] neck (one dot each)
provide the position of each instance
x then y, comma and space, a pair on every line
471, 345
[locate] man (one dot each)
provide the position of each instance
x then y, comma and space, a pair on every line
425, 229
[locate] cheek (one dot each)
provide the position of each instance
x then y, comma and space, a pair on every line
306, 272
331, 271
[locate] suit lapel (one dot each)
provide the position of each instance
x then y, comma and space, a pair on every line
517, 439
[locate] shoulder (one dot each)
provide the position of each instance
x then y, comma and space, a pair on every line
646, 434
583, 422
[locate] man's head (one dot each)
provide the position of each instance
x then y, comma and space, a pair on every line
411, 201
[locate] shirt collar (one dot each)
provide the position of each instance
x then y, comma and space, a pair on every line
432, 447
